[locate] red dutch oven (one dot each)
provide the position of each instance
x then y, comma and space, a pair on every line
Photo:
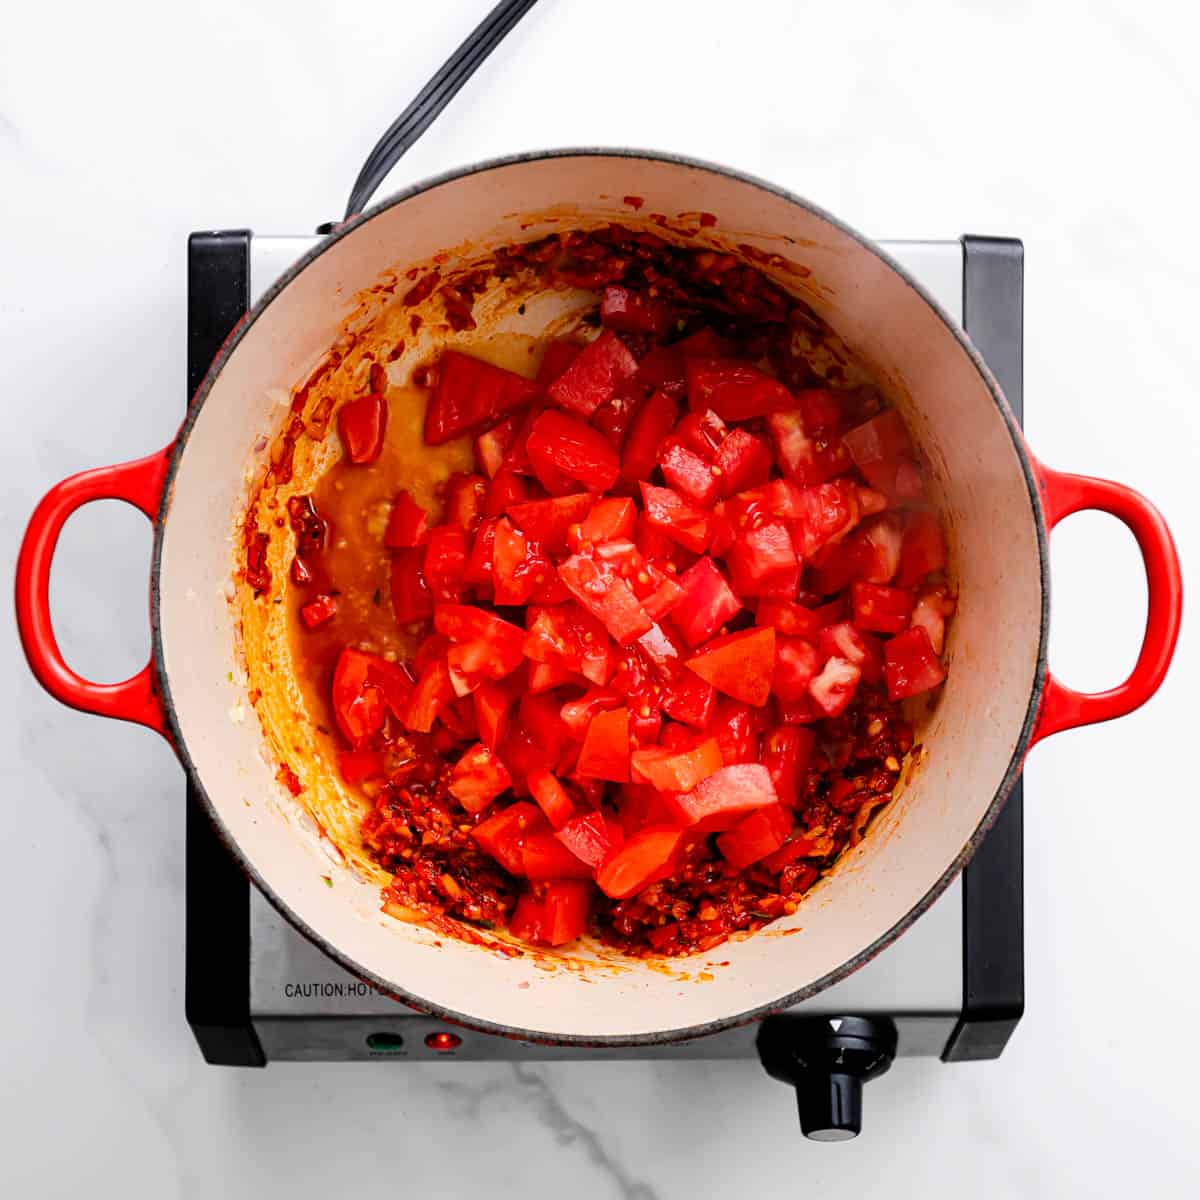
1000, 504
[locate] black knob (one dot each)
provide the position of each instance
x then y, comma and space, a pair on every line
827, 1060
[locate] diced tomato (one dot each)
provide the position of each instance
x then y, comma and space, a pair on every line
648, 856
357, 765
701, 432
494, 445
808, 459
559, 916
545, 677
800, 712
516, 566
755, 836
572, 449
605, 751
651, 425
543, 857
634, 312
467, 662
610, 518
786, 753
882, 450
407, 525
433, 692
794, 848
362, 424
720, 801
822, 409
763, 562
689, 699
503, 834
557, 358
796, 663
478, 778
934, 604
787, 617
881, 609
505, 492
923, 549
478, 571
705, 343
446, 562
679, 520
465, 497
661, 368
734, 390
834, 687
593, 376
828, 511
320, 610
411, 598
910, 665
737, 727
707, 602
591, 837
677, 771
571, 635
551, 796
547, 521
878, 543
842, 640
739, 664
358, 703
577, 714
744, 461
493, 704
688, 473
472, 393
466, 623
526, 919
599, 588
541, 719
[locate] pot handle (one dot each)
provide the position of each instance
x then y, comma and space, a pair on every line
1064, 494
139, 483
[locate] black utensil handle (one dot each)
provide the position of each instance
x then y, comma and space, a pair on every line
434, 97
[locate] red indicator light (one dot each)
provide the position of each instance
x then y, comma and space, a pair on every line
442, 1040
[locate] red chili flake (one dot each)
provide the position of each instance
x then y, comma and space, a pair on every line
422, 289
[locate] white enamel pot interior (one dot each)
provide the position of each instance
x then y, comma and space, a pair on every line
975, 739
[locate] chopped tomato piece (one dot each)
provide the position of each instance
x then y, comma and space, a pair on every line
493, 446
465, 498
648, 856
551, 796
662, 369
357, 765
689, 699
910, 664
688, 473
878, 447
794, 848
547, 521
593, 376
744, 461
808, 460
677, 770
786, 753
466, 623
601, 590
788, 617
320, 610
407, 525
543, 856
568, 447
519, 569
577, 714
933, 606
446, 562
734, 390
739, 664
796, 664
545, 677
881, 609
359, 704
721, 800
755, 836
541, 719
362, 424
827, 511
610, 518
434, 691
627, 311
493, 705
605, 751
878, 543
479, 562
844, 641
834, 687
707, 602
503, 834
558, 357
652, 423
573, 636
763, 562
507, 490
591, 837
471, 393
478, 778
923, 549
702, 432
411, 598
679, 520
559, 916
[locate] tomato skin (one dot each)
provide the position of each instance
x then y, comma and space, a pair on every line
548, 521
737, 726
605, 751
467, 623
471, 393
357, 765
362, 424
786, 753
551, 797
503, 834
493, 446
493, 706
569, 448
755, 836
445, 562
408, 524
358, 705
763, 562
909, 664
609, 519
598, 587
649, 855
411, 598
740, 664
434, 691
787, 617
544, 857
593, 376
654, 421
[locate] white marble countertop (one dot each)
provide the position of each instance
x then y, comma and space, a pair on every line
124, 126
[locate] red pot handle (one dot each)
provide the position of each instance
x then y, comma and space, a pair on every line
138, 483
1062, 495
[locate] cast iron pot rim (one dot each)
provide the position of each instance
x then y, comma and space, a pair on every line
482, 1024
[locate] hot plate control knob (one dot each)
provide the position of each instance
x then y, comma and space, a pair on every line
827, 1060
